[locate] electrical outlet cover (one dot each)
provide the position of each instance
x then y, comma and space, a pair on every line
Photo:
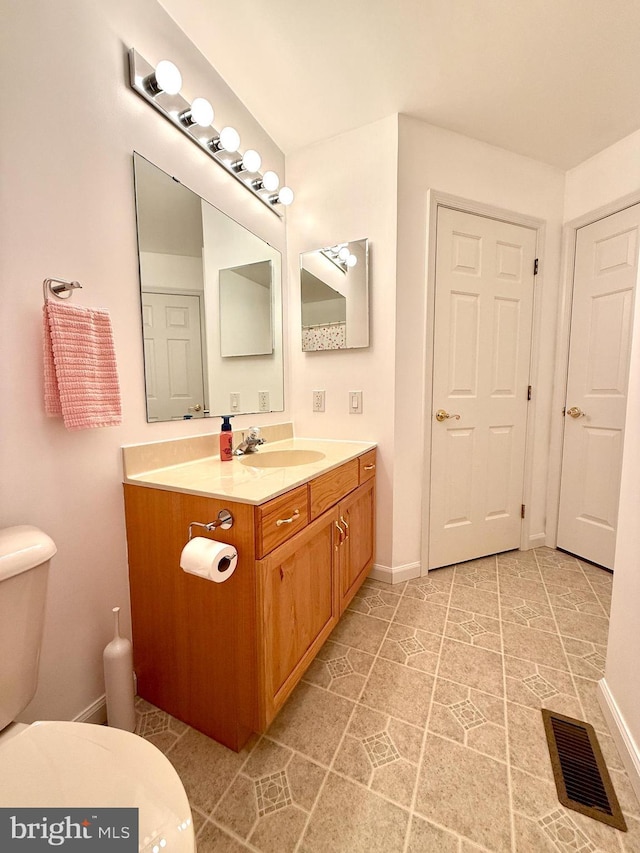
318, 401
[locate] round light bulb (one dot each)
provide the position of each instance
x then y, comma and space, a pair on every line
270, 181
202, 112
251, 160
344, 253
168, 77
351, 261
285, 196
229, 139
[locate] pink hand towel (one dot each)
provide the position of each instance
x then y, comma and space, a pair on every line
80, 374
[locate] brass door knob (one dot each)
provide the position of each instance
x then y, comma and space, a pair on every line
575, 412
196, 408
441, 415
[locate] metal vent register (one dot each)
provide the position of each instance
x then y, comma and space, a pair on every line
581, 776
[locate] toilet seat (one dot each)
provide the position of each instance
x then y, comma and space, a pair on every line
63, 764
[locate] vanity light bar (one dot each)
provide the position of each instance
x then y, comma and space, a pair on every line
160, 87
341, 256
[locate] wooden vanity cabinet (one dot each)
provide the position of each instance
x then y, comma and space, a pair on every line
194, 641
225, 657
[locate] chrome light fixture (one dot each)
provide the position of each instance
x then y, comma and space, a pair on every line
340, 255
200, 112
227, 140
249, 162
165, 78
269, 181
283, 196
161, 87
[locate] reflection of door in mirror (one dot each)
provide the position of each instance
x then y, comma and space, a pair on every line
172, 356
334, 287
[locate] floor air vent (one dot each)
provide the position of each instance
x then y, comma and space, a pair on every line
582, 779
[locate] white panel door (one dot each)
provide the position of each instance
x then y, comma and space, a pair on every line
172, 355
482, 347
605, 274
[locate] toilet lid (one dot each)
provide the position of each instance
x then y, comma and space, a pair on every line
64, 765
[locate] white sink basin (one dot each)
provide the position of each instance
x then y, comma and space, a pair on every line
281, 458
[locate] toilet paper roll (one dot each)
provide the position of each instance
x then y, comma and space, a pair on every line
215, 561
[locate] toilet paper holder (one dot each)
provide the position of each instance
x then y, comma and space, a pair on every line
224, 521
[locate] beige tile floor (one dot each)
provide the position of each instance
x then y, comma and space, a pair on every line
418, 728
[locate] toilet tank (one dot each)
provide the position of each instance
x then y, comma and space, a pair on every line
25, 552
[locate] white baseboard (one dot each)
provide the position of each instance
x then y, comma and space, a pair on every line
95, 713
537, 540
386, 574
623, 738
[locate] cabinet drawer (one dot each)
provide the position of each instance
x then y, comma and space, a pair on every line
329, 488
367, 464
279, 519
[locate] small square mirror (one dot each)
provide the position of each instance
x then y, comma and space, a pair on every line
334, 286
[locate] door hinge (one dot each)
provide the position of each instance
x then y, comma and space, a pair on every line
522, 511
528, 392
535, 267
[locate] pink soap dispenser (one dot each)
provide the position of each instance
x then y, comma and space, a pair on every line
226, 439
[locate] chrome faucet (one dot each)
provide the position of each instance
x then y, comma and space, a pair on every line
250, 442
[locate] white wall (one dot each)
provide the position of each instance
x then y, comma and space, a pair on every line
170, 272
339, 200
611, 175
245, 315
68, 210
324, 312
436, 159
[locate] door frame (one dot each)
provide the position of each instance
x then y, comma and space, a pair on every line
563, 340
435, 200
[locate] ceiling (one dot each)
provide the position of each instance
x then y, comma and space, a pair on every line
556, 80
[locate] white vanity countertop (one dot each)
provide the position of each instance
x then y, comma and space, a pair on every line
239, 481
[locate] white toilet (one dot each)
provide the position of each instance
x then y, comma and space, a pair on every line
63, 764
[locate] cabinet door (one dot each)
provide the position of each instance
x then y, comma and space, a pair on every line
300, 607
356, 551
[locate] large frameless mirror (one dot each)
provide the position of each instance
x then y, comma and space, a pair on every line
211, 294
334, 286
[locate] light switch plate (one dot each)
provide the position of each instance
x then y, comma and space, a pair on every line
355, 402
235, 401
318, 401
